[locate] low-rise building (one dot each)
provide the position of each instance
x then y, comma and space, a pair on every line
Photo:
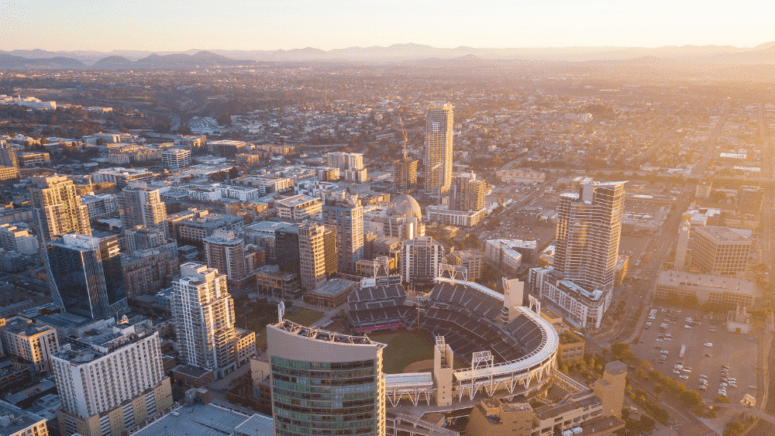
298, 207
276, 284
442, 214
468, 259
34, 343
332, 293
176, 158
33, 158
704, 288
17, 422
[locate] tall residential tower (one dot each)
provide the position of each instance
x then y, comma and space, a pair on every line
203, 314
60, 206
438, 148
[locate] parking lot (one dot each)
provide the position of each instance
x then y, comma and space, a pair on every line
735, 350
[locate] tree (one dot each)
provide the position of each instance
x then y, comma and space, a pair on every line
640, 374
691, 398
621, 351
658, 390
625, 413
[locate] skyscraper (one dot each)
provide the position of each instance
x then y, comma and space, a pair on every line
141, 206
589, 226
60, 206
287, 248
467, 193
86, 275
226, 253
325, 382
346, 216
317, 254
111, 381
203, 314
420, 260
438, 148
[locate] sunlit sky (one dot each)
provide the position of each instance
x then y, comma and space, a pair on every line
168, 25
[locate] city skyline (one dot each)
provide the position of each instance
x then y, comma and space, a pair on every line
238, 25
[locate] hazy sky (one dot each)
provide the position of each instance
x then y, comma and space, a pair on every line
273, 24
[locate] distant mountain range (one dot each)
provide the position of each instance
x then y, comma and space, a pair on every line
688, 54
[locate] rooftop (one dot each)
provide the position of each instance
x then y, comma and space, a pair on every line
23, 326
722, 234
14, 419
191, 370
295, 200
323, 335
335, 287
680, 278
198, 419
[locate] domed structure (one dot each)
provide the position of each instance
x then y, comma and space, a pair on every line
405, 205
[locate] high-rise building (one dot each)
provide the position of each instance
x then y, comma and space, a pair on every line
467, 193
404, 175
589, 226
141, 206
720, 251
60, 206
420, 260
750, 199
226, 253
111, 382
325, 382
86, 275
203, 314
346, 216
317, 254
149, 261
439, 126
34, 343
287, 248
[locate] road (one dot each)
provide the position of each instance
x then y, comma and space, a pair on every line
699, 169
662, 243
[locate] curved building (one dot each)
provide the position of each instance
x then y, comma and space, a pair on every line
325, 382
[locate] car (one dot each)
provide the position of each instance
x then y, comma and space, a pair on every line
688, 327
724, 367
657, 347
675, 371
722, 393
709, 344
702, 388
703, 377
684, 376
678, 366
723, 385
752, 387
708, 355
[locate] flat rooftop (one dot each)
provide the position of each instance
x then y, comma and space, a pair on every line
198, 419
191, 371
295, 200
722, 234
706, 281
21, 419
334, 287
